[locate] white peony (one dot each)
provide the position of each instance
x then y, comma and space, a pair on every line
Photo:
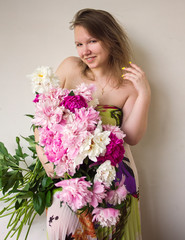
43, 79
93, 145
106, 173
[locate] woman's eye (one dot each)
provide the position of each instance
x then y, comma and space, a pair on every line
78, 44
93, 41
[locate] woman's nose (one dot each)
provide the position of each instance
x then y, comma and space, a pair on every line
86, 50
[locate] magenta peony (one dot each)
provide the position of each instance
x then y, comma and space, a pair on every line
74, 102
36, 98
114, 151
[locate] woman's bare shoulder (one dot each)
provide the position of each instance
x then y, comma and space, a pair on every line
128, 87
68, 63
68, 67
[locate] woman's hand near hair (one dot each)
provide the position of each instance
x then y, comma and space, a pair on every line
49, 168
136, 75
137, 105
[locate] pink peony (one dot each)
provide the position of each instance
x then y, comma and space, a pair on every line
74, 102
56, 94
75, 192
54, 152
87, 118
71, 136
86, 91
114, 151
45, 136
65, 165
106, 216
47, 113
52, 143
48, 110
98, 194
115, 130
117, 196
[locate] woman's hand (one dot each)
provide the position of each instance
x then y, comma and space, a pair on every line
136, 75
48, 166
49, 169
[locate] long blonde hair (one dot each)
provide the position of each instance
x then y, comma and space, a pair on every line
103, 26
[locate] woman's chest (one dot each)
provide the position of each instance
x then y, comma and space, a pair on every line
107, 95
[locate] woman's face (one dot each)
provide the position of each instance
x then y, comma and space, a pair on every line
90, 50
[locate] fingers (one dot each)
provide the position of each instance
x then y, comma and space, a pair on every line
49, 168
133, 73
134, 66
51, 175
133, 69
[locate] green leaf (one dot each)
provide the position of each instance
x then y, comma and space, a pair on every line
29, 115
3, 178
46, 182
32, 149
32, 137
19, 203
3, 210
25, 155
25, 195
48, 199
11, 181
20, 179
27, 187
38, 165
12, 163
39, 202
17, 140
30, 140
71, 93
19, 151
3, 150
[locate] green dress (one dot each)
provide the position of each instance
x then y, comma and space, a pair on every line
63, 224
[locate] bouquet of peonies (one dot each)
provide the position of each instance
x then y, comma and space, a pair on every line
84, 151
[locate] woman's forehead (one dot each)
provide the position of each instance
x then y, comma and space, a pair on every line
81, 33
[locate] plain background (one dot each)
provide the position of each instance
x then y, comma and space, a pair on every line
36, 32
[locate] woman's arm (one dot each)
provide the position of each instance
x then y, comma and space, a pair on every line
42, 157
137, 105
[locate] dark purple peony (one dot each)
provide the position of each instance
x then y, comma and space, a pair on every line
73, 102
114, 151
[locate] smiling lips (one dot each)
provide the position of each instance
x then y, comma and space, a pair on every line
90, 59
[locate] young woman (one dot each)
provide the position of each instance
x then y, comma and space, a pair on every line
124, 97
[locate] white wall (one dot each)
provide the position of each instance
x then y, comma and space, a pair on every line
35, 32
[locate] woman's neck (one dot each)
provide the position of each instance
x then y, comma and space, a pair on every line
101, 74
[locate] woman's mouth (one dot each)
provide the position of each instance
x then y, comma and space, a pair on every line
90, 59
